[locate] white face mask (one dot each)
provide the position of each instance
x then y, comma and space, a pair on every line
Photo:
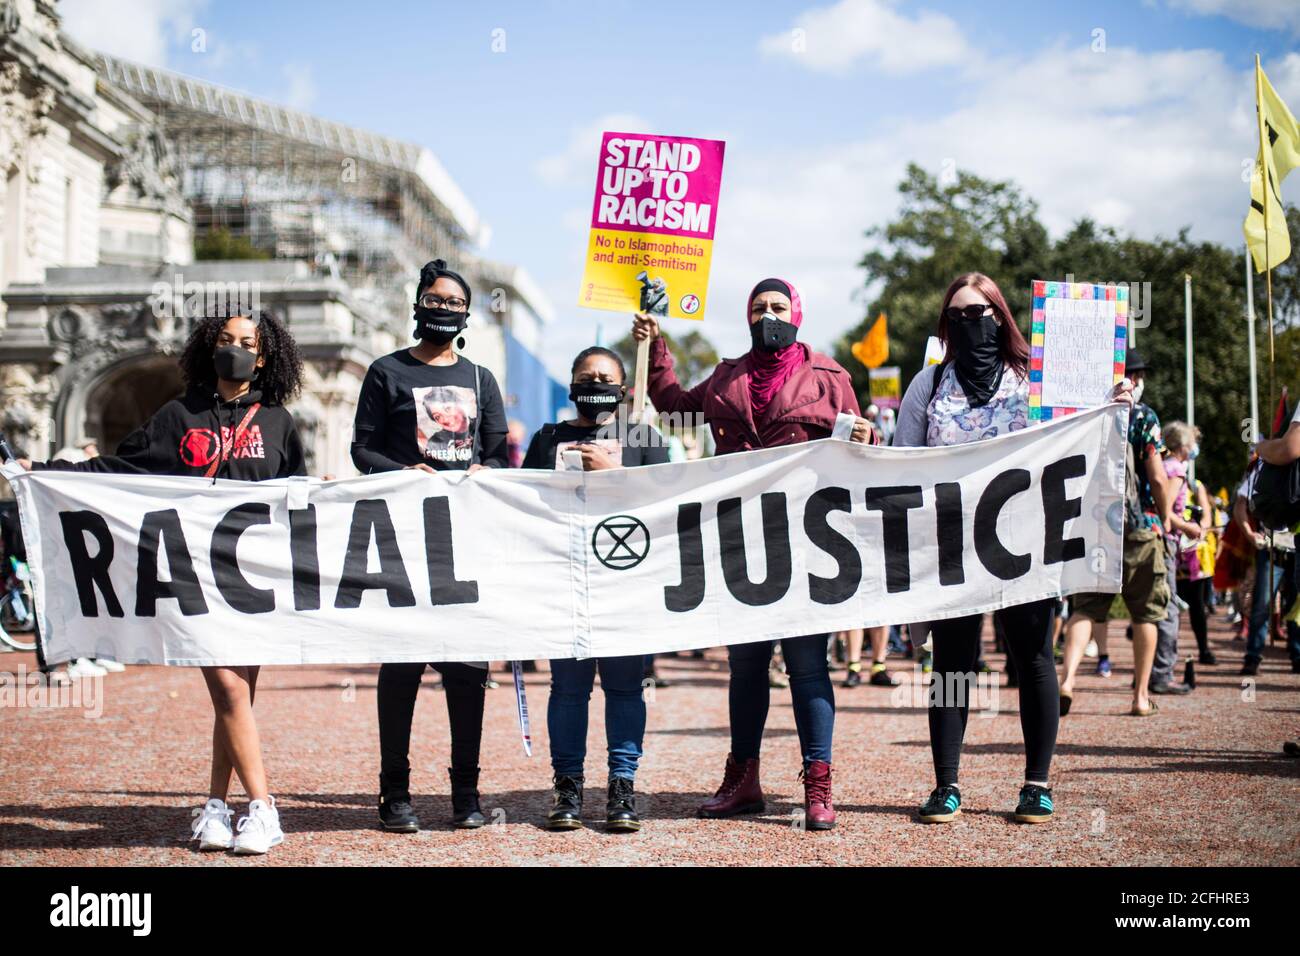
1137, 390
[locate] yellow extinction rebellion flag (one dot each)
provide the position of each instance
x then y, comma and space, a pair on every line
1279, 138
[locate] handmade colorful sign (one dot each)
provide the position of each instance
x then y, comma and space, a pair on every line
652, 225
1077, 344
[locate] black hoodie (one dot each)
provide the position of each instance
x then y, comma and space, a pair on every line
186, 435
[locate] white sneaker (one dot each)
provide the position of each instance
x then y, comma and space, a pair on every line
211, 826
1090, 651
113, 667
260, 830
85, 667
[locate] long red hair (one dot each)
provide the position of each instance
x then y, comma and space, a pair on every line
1011, 343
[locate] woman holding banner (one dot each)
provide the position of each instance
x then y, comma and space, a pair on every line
230, 423
597, 390
428, 409
981, 390
780, 392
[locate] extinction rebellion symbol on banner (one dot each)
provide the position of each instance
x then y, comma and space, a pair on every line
620, 542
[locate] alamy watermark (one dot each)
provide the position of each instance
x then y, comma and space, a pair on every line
971, 689
181, 299
32, 690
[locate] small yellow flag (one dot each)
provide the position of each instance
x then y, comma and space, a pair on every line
1279, 129
873, 350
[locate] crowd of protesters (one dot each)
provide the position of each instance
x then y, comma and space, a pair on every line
428, 408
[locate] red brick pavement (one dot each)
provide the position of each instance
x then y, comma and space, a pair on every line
1202, 783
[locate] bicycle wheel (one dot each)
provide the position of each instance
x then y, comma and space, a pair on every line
8, 630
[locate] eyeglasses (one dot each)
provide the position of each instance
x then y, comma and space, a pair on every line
968, 313
431, 301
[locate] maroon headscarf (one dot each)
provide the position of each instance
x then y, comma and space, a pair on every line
770, 370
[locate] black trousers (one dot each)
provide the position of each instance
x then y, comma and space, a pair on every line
1028, 634
399, 685
1197, 595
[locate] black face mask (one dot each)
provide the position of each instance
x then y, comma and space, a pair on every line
772, 334
595, 400
235, 364
439, 326
975, 357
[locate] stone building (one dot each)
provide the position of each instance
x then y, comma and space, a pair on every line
113, 169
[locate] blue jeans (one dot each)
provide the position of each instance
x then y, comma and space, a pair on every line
810, 690
1261, 605
566, 713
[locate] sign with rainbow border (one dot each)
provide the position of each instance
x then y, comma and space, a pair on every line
1077, 343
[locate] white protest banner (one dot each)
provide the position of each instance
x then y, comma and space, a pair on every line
514, 565
1078, 341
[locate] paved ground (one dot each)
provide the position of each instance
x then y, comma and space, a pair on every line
1203, 783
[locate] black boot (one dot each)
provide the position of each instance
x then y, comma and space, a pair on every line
395, 803
566, 812
465, 811
620, 809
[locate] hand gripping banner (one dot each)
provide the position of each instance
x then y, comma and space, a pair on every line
519, 565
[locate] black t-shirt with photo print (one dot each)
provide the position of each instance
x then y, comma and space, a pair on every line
411, 413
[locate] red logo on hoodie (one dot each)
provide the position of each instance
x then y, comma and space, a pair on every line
199, 447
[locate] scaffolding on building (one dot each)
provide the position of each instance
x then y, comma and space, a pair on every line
296, 186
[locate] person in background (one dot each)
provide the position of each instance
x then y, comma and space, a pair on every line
1193, 576
887, 424
428, 409
230, 423
1279, 451
780, 392
1145, 589
981, 390
1179, 440
515, 435
879, 675
598, 388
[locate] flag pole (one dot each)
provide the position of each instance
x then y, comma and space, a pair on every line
1266, 191
1268, 284
1187, 352
1250, 343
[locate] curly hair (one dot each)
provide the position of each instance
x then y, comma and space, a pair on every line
280, 376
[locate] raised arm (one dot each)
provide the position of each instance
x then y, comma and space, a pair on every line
665, 391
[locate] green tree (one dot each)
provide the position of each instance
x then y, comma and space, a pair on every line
219, 244
975, 225
943, 230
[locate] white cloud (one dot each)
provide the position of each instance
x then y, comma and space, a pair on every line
139, 30
301, 92
1265, 14
832, 39
576, 162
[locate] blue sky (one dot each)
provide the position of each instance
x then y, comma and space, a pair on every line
1144, 127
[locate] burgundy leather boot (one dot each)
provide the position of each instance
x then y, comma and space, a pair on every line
819, 812
740, 791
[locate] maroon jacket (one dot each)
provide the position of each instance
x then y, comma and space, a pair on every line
803, 409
